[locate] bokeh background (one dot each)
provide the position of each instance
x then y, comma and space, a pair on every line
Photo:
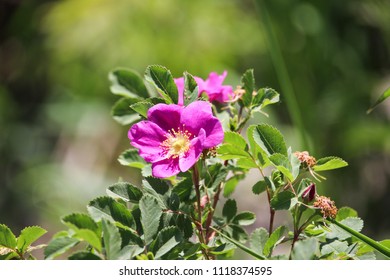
59, 144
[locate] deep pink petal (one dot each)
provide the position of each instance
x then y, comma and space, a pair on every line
165, 116
198, 115
193, 154
225, 94
147, 137
180, 88
165, 168
214, 81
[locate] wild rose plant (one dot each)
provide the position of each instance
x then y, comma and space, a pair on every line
191, 142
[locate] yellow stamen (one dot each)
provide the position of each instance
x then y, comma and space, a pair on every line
177, 143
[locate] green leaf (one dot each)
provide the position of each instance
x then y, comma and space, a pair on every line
228, 151
382, 98
353, 223
28, 236
165, 241
239, 245
275, 238
345, 212
174, 202
246, 163
191, 92
245, 218
367, 240
83, 255
130, 237
159, 186
305, 249
329, 163
7, 238
183, 189
128, 83
142, 108
235, 139
107, 208
265, 97
259, 187
59, 246
258, 239
294, 163
284, 200
150, 216
248, 84
90, 237
185, 225
336, 247
231, 185
256, 151
132, 158
282, 163
125, 191
122, 113
269, 139
112, 242
215, 176
229, 209
162, 78
222, 249
80, 221
237, 232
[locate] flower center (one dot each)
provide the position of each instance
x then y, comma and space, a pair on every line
177, 143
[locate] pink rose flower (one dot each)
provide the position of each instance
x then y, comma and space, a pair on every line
212, 87
173, 137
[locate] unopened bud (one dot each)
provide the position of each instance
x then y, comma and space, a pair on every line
309, 193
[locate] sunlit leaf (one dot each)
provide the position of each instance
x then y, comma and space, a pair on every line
162, 78
275, 238
329, 163
28, 236
269, 139
7, 238
132, 158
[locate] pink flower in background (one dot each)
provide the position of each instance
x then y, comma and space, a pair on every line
174, 137
212, 87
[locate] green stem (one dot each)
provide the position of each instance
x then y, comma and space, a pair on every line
239, 245
370, 242
281, 71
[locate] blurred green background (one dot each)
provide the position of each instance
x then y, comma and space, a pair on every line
59, 144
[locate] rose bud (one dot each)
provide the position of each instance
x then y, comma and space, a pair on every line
309, 193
